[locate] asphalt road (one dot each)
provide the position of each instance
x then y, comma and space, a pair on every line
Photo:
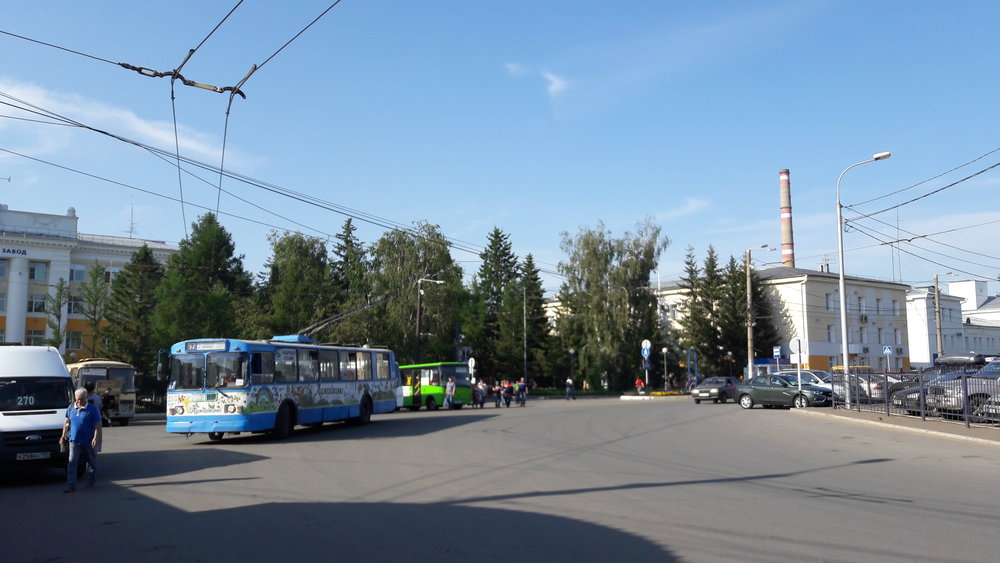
556, 481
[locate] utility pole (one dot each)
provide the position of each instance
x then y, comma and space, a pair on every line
524, 325
937, 316
749, 321
420, 298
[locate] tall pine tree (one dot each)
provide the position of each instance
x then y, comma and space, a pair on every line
203, 282
130, 313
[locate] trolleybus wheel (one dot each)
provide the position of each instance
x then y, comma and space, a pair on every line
431, 404
215, 436
365, 415
283, 424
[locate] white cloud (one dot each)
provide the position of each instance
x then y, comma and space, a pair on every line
39, 140
557, 84
691, 206
515, 69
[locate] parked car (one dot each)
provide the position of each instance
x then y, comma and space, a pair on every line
908, 399
782, 391
858, 387
990, 410
949, 398
715, 389
816, 377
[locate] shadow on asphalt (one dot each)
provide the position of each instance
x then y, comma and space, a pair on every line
131, 523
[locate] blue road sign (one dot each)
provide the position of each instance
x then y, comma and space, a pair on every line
645, 352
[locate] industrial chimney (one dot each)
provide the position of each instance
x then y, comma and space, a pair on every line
787, 242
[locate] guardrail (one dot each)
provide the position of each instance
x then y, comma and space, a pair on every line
957, 397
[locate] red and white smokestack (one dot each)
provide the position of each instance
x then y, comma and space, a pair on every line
787, 242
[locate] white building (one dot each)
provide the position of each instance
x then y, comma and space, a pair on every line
36, 251
806, 305
923, 329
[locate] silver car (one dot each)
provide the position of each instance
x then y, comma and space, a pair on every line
949, 397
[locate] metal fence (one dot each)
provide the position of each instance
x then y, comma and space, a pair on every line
955, 397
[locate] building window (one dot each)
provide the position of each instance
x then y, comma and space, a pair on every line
830, 335
879, 335
38, 271
3, 268
111, 272
863, 335
3, 303
895, 307
36, 303
829, 302
897, 336
878, 306
77, 273
74, 340
861, 305
35, 338
75, 305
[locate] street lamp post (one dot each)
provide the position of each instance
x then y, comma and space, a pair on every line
729, 359
666, 380
750, 316
420, 298
571, 352
842, 284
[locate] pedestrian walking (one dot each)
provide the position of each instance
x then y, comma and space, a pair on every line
82, 431
570, 392
449, 393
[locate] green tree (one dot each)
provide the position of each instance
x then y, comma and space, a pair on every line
351, 271
299, 282
54, 304
607, 298
523, 341
765, 328
399, 260
202, 284
497, 273
732, 319
130, 313
95, 293
696, 323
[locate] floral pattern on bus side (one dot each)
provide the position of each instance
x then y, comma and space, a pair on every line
266, 398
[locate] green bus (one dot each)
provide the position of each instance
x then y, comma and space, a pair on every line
423, 384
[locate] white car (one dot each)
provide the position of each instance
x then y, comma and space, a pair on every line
814, 377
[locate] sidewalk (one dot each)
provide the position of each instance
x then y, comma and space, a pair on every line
933, 425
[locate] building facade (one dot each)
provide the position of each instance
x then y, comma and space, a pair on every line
37, 250
806, 308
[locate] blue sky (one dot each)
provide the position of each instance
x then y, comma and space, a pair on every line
538, 117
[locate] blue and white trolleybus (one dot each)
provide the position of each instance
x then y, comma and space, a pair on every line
219, 385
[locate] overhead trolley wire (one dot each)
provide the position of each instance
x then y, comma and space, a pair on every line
928, 194
946, 172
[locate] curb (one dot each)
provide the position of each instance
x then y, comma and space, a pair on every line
901, 427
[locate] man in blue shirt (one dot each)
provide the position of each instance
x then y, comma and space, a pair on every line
83, 430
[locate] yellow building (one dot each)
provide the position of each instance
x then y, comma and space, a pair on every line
36, 251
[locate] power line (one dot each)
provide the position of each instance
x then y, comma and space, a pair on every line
928, 194
978, 158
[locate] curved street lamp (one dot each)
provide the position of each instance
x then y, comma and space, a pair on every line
842, 284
